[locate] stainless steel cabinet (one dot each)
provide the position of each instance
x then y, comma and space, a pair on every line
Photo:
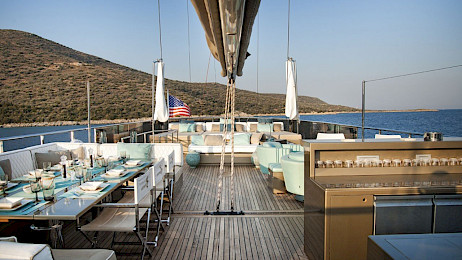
403, 214
448, 213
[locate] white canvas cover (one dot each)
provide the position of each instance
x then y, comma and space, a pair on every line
291, 95
161, 109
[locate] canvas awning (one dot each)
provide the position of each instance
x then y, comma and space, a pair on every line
228, 27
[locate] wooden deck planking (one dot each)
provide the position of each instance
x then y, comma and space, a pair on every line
271, 229
251, 191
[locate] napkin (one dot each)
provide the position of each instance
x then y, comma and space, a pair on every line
8, 203
133, 162
115, 172
91, 186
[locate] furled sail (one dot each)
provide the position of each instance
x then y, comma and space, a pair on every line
228, 27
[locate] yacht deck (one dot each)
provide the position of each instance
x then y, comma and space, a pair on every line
272, 227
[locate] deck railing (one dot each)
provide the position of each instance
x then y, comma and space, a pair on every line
308, 130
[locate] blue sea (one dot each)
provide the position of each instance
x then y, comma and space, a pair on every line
448, 122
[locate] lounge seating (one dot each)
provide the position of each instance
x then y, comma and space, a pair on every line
11, 249
271, 152
210, 147
293, 170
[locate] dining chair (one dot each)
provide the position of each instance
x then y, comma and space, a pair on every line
126, 215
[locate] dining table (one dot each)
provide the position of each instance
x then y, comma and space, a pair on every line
70, 201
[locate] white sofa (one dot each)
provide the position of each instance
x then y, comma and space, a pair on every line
23, 160
11, 249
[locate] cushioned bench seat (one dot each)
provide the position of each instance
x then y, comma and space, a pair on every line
217, 148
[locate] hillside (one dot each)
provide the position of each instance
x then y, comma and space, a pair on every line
43, 81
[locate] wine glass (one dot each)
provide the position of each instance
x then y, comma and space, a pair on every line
3, 183
35, 188
79, 173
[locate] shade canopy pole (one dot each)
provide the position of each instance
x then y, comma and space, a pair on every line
88, 108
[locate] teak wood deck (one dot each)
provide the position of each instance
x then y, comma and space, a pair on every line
272, 227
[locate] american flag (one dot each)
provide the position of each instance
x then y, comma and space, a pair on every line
177, 107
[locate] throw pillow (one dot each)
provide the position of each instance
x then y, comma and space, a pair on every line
6, 166
2, 173
266, 128
222, 127
253, 127
277, 127
272, 144
197, 140
242, 139
215, 128
199, 128
174, 126
187, 127
213, 140
135, 150
256, 137
78, 153
239, 128
52, 156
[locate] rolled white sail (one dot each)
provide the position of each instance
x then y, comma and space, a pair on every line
291, 95
161, 109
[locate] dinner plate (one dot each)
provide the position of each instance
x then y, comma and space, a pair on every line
100, 188
109, 176
22, 204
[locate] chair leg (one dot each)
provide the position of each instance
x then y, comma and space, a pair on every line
145, 244
93, 242
113, 240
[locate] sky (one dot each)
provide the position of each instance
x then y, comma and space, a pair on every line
336, 44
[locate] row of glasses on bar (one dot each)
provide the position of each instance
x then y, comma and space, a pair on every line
389, 163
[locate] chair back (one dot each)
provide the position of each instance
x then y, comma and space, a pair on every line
158, 172
323, 136
171, 162
143, 186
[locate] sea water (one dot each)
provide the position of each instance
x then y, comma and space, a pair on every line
448, 122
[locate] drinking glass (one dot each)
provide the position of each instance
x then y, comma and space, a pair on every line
79, 174
48, 188
123, 156
46, 166
3, 183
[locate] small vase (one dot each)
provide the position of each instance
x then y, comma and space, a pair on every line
193, 159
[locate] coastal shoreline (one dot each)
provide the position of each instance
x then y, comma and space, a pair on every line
119, 121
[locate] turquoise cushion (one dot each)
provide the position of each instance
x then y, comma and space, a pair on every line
272, 144
187, 127
2, 173
242, 139
297, 156
135, 151
222, 121
222, 127
265, 128
197, 139
275, 167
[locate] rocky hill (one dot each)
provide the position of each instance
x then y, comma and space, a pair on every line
44, 81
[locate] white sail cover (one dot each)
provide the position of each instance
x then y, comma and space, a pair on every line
291, 95
161, 109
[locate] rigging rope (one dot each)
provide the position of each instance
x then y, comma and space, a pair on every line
229, 116
160, 31
189, 43
288, 30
